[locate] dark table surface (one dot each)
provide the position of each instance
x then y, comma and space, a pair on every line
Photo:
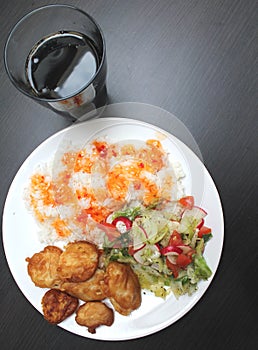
196, 59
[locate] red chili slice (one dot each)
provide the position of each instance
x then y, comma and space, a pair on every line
171, 249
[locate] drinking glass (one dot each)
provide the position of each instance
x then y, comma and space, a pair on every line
56, 55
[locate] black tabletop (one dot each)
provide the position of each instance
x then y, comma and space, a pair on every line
195, 59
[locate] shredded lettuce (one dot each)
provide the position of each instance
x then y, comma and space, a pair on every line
120, 255
150, 279
130, 213
153, 224
151, 229
207, 237
199, 246
183, 285
201, 269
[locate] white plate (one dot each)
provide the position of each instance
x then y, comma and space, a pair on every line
20, 238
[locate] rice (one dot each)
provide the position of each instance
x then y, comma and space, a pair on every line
71, 195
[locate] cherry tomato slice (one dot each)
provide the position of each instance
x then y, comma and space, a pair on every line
183, 260
175, 239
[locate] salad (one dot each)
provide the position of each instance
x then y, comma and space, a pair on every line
163, 243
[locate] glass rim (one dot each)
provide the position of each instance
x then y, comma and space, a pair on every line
22, 19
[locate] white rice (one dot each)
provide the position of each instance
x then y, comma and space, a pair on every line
47, 233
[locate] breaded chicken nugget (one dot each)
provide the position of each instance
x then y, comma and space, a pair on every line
122, 287
94, 314
42, 267
87, 291
78, 262
57, 305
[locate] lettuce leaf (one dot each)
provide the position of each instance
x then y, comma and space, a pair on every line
201, 269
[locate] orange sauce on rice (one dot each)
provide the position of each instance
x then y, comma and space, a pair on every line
123, 168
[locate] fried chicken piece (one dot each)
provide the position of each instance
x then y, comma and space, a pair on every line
78, 262
87, 291
93, 314
122, 287
42, 267
58, 305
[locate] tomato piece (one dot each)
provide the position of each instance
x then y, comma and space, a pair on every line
174, 268
175, 239
183, 260
131, 251
110, 230
187, 202
204, 231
